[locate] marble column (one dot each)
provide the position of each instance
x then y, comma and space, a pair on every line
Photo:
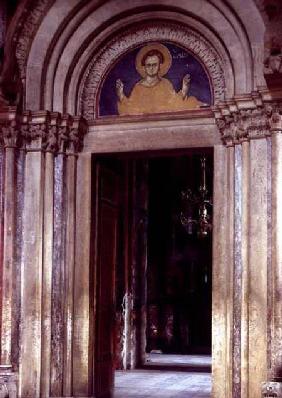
70, 201
48, 226
83, 325
10, 135
258, 241
11, 163
58, 263
221, 276
245, 269
32, 265
276, 304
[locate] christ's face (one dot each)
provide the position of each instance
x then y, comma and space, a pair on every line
152, 65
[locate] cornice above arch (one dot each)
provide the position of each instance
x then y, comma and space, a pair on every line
138, 35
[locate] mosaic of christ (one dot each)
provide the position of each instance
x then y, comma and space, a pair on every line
156, 78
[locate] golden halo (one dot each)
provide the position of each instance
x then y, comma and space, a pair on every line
154, 46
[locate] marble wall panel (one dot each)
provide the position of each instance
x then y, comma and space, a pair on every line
58, 279
220, 275
16, 309
258, 239
237, 276
83, 346
31, 286
2, 160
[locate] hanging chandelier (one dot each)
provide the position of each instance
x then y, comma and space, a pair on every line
196, 213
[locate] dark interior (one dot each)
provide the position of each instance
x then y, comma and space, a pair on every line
179, 263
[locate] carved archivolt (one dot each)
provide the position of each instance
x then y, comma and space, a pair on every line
157, 31
38, 9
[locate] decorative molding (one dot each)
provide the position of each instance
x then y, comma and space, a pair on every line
248, 117
10, 134
271, 389
8, 382
30, 26
42, 131
154, 31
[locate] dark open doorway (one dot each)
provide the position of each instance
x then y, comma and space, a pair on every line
153, 276
179, 270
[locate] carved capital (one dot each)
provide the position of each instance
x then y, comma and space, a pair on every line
36, 137
51, 142
8, 383
42, 131
274, 113
271, 389
77, 133
246, 118
63, 138
259, 126
227, 127
11, 134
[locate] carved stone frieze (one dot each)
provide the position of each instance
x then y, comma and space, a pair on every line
250, 117
42, 131
155, 31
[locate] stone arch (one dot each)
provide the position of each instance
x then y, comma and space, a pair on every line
134, 36
75, 31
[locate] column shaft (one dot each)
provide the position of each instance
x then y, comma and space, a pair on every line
277, 253
69, 272
83, 285
245, 272
258, 239
31, 290
47, 274
220, 342
8, 255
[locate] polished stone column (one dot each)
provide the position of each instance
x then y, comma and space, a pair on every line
245, 269
221, 274
83, 325
70, 201
237, 272
32, 262
258, 260
48, 226
276, 346
58, 264
10, 134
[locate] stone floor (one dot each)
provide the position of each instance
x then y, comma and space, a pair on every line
164, 383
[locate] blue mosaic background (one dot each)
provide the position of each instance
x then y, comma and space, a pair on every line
182, 63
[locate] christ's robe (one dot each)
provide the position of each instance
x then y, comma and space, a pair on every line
155, 99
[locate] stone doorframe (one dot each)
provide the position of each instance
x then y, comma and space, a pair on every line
47, 263
51, 199
197, 130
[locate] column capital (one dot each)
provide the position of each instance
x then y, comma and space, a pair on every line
77, 133
42, 131
274, 110
9, 128
251, 116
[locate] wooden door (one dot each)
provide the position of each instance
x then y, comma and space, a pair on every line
107, 205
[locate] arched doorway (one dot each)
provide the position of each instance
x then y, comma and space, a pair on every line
63, 67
